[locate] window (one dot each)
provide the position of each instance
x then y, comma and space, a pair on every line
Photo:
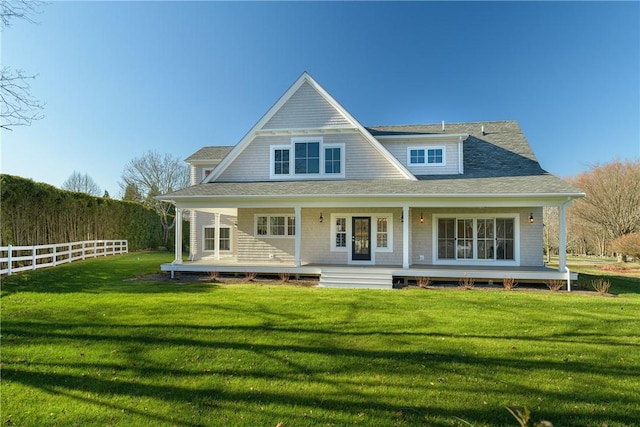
435, 156
206, 172
426, 156
504, 238
210, 239
332, 164
307, 157
446, 238
281, 161
476, 239
341, 233
416, 157
382, 233
275, 225
261, 225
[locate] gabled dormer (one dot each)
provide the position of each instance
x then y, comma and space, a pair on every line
308, 135
204, 161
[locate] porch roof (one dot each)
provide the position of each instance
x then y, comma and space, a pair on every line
541, 184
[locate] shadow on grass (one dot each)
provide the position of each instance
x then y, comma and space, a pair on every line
349, 375
620, 285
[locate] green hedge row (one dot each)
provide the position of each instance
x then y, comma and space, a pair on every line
39, 214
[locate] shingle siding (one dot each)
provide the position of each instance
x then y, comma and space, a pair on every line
399, 150
362, 161
306, 109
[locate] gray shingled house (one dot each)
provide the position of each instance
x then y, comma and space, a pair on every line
311, 191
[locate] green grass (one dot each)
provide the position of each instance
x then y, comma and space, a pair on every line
82, 346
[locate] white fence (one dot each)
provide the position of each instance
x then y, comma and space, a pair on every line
21, 258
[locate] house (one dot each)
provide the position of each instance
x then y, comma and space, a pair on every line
311, 191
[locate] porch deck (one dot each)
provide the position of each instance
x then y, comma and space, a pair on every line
396, 272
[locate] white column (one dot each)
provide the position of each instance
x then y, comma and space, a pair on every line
216, 239
562, 247
298, 239
178, 259
405, 236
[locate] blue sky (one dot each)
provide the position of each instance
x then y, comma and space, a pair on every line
122, 78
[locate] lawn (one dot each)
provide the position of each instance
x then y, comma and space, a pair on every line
82, 345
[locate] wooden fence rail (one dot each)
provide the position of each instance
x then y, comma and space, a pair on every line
20, 258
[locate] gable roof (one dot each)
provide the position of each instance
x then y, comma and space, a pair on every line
305, 78
209, 154
499, 163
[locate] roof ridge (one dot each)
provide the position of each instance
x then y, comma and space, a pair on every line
446, 123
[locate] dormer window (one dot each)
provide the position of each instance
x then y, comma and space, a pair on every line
426, 156
307, 157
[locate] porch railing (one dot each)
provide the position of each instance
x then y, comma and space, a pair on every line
14, 259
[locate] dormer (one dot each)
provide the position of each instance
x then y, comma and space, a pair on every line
203, 162
427, 154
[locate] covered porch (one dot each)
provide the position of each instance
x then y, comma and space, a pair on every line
305, 249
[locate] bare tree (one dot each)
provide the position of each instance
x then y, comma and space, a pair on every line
81, 183
18, 106
613, 198
154, 174
551, 234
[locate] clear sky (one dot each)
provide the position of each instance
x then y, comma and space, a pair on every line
122, 78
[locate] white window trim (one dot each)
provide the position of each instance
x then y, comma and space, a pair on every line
272, 159
286, 234
339, 145
204, 227
426, 149
292, 175
374, 232
516, 239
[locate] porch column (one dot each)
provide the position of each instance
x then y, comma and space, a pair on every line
298, 238
405, 236
216, 237
562, 247
178, 232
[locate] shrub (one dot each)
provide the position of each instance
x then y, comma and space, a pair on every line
284, 277
601, 286
423, 282
213, 276
250, 276
466, 282
509, 283
555, 284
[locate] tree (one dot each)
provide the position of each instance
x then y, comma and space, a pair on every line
628, 245
613, 198
81, 183
132, 194
18, 107
154, 174
106, 195
551, 234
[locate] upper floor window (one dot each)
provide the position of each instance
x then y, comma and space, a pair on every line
307, 157
426, 156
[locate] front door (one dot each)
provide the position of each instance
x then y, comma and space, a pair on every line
361, 238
